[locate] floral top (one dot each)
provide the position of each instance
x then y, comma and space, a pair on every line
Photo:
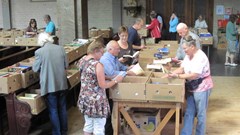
92, 99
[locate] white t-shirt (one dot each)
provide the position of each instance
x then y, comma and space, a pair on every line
200, 24
199, 64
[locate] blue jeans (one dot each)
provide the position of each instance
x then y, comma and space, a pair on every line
197, 104
56, 103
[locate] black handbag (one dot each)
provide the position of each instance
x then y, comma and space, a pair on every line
193, 84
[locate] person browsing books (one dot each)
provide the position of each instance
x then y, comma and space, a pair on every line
93, 102
133, 37
195, 67
183, 31
125, 48
112, 68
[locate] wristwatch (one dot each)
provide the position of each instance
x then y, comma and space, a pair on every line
115, 81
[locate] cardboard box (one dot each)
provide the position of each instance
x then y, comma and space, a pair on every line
202, 31
7, 41
21, 41
131, 88
150, 41
34, 99
164, 89
145, 121
32, 41
9, 82
156, 74
18, 33
206, 40
93, 32
106, 33
29, 78
72, 53
73, 77
143, 32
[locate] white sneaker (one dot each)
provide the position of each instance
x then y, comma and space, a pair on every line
227, 64
233, 64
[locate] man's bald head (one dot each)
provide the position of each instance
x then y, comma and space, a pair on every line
182, 29
113, 47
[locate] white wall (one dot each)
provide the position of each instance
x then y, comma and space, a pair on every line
24, 10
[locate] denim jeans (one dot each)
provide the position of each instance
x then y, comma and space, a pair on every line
56, 103
197, 104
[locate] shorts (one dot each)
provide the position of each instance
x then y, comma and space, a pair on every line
94, 125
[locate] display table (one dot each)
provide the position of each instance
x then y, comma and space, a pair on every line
120, 107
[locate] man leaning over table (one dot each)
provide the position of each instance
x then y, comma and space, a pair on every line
112, 68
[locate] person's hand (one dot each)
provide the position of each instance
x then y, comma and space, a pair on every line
142, 47
130, 67
131, 73
122, 60
119, 78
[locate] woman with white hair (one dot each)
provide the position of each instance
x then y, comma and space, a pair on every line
53, 80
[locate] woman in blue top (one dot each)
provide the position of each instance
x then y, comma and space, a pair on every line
172, 26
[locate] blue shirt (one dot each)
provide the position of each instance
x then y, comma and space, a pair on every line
173, 25
50, 28
133, 37
112, 66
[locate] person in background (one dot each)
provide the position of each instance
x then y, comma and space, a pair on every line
154, 28
160, 20
231, 36
53, 81
125, 47
133, 38
200, 23
195, 66
50, 27
112, 68
183, 31
93, 101
31, 30
173, 22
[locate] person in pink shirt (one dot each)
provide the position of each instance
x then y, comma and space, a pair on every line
194, 67
154, 28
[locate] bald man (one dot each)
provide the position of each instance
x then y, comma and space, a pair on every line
112, 68
183, 31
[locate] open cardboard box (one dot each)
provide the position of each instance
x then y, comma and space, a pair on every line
131, 88
9, 82
73, 77
34, 99
165, 89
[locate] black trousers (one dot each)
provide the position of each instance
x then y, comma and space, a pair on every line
173, 35
108, 125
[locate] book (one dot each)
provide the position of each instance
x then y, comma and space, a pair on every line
132, 56
137, 69
163, 50
162, 61
154, 66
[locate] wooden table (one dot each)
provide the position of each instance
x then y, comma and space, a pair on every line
120, 108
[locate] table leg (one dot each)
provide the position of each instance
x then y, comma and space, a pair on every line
115, 118
177, 121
